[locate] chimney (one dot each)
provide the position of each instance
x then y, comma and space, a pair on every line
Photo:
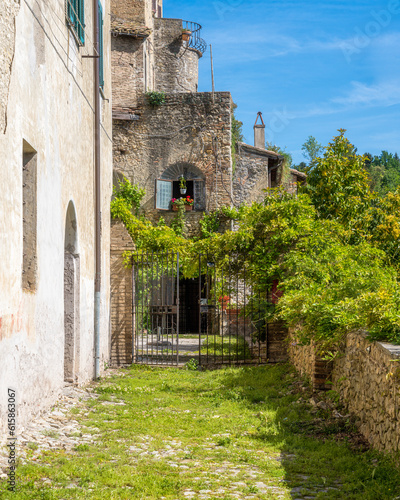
259, 132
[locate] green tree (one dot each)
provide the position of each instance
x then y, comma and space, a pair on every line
383, 171
311, 150
338, 183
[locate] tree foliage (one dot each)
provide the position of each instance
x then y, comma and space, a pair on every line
338, 184
334, 250
383, 171
312, 149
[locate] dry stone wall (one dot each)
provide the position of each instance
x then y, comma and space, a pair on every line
8, 11
367, 377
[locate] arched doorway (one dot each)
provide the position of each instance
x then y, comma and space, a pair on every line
71, 297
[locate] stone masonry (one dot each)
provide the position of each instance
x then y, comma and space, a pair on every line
121, 297
367, 377
189, 130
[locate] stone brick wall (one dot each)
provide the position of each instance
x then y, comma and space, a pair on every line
127, 70
8, 12
131, 9
188, 131
176, 65
367, 377
192, 227
121, 297
307, 362
251, 176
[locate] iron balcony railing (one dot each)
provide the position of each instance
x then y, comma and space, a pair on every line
196, 42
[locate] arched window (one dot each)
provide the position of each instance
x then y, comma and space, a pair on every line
168, 186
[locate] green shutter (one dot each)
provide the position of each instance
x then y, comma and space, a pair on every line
81, 20
71, 11
101, 47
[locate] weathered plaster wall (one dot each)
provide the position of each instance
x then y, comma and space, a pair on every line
189, 129
176, 65
8, 12
50, 106
367, 377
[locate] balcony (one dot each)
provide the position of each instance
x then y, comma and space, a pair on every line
195, 42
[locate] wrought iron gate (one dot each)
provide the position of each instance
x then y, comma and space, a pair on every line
215, 316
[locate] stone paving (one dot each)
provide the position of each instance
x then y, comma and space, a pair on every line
54, 429
57, 429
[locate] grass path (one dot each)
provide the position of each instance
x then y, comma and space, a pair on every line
244, 433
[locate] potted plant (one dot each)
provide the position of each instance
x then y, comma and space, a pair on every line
188, 203
175, 204
186, 34
182, 185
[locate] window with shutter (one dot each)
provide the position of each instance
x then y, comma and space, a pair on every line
75, 13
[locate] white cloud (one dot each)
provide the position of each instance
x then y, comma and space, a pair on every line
382, 94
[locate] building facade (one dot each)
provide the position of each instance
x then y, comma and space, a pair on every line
48, 212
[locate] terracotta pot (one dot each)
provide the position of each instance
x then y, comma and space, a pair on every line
174, 208
188, 208
186, 35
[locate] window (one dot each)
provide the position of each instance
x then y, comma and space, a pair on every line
101, 48
168, 189
76, 19
29, 215
163, 194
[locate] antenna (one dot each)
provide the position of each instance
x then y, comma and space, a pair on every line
212, 75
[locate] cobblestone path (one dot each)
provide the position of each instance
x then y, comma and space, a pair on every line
227, 446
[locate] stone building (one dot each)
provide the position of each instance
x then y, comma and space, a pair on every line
50, 86
185, 134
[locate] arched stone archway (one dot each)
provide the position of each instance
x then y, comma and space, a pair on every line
71, 297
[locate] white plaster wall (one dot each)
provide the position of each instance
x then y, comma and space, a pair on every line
50, 106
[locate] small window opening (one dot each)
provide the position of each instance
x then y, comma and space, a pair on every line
29, 226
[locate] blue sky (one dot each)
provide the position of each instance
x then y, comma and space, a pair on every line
311, 67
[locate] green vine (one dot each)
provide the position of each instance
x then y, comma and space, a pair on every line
237, 136
131, 193
178, 222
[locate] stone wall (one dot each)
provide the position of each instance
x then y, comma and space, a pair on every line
251, 176
367, 377
176, 65
308, 363
8, 12
192, 227
188, 131
128, 71
121, 297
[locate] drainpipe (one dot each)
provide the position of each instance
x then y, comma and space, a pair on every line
96, 89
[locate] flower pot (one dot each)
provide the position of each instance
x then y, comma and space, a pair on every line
183, 191
174, 208
186, 35
188, 208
